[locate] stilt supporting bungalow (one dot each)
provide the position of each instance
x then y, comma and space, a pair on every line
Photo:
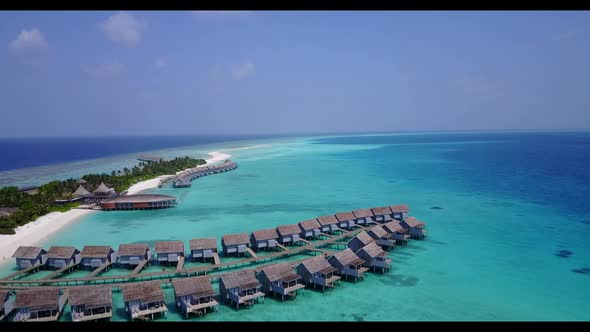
329, 224
289, 235
169, 252
382, 237
132, 255
382, 214
317, 271
203, 249
281, 280
348, 264
375, 258
194, 295
415, 227
240, 287
96, 256
399, 233
265, 239
399, 212
346, 220
59, 257
310, 229
235, 244
363, 216
144, 300
27, 257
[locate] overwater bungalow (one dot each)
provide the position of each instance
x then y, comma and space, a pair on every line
415, 227
95, 256
346, 220
359, 241
203, 248
131, 255
317, 271
144, 299
27, 257
399, 212
235, 244
382, 237
280, 279
310, 228
382, 214
289, 234
363, 216
329, 224
375, 258
89, 303
264, 239
58, 257
194, 295
348, 264
169, 251
399, 233
38, 304
240, 287
6, 304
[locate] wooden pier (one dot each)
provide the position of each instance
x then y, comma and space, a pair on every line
139, 267
60, 271
180, 264
99, 270
282, 247
21, 273
216, 260
251, 252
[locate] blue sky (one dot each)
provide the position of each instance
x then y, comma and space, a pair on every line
138, 73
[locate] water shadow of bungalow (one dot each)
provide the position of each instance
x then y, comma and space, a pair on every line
95, 256
6, 304
346, 220
399, 233
382, 237
240, 287
144, 299
375, 258
194, 295
399, 212
89, 303
101, 193
363, 216
382, 214
169, 252
415, 227
289, 234
264, 239
310, 228
281, 280
39, 305
235, 244
359, 241
329, 224
131, 255
348, 264
317, 271
203, 248
27, 257
58, 257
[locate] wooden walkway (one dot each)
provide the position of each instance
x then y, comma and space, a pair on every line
99, 269
21, 272
251, 252
282, 247
180, 264
216, 260
139, 267
60, 271
305, 241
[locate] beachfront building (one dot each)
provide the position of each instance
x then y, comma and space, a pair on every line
138, 202
59, 257
240, 287
382, 214
399, 212
101, 193
235, 244
348, 264
310, 228
264, 239
90, 303
375, 258
81, 193
144, 299
399, 233
329, 224
281, 280
194, 295
345, 219
38, 305
363, 216
289, 234
131, 255
415, 227
317, 271
6, 304
359, 241
382, 237
169, 251
203, 249
95, 256
27, 257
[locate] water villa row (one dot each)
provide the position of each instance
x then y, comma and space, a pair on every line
184, 178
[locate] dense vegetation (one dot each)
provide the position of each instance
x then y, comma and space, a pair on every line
30, 207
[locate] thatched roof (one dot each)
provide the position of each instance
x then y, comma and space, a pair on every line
345, 216
62, 252
243, 278
206, 243
401, 208
288, 229
96, 251
394, 226
102, 189
318, 264
37, 298
281, 271
373, 250
379, 211
28, 252
362, 213
327, 220
81, 181
309, 224
364, 237
413, 222
133, 249
164, 247
146, 292
197, 286
81, 192
347, 256
91, 296
378, 232
265, 234
234, 239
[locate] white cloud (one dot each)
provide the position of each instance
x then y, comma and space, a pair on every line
243, 70
160, 63
107, 70
220, 14
123, 28
29, 47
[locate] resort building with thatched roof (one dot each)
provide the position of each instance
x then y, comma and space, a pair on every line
359, 241
138, 202
317, 271
131, 255
235, 244
280, 279
382, 237
415, 227
400, 211
58, 257
240, 287
382, 214
95, 256
400, 234
348, 264
375, 258
289, 234
144, 299
264, 239
346, 220
363, 216
169, 251
194, 295
91, 302
81, 192
310, 228
27, 257
203, 248
101, 193
329, 224
38, 304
